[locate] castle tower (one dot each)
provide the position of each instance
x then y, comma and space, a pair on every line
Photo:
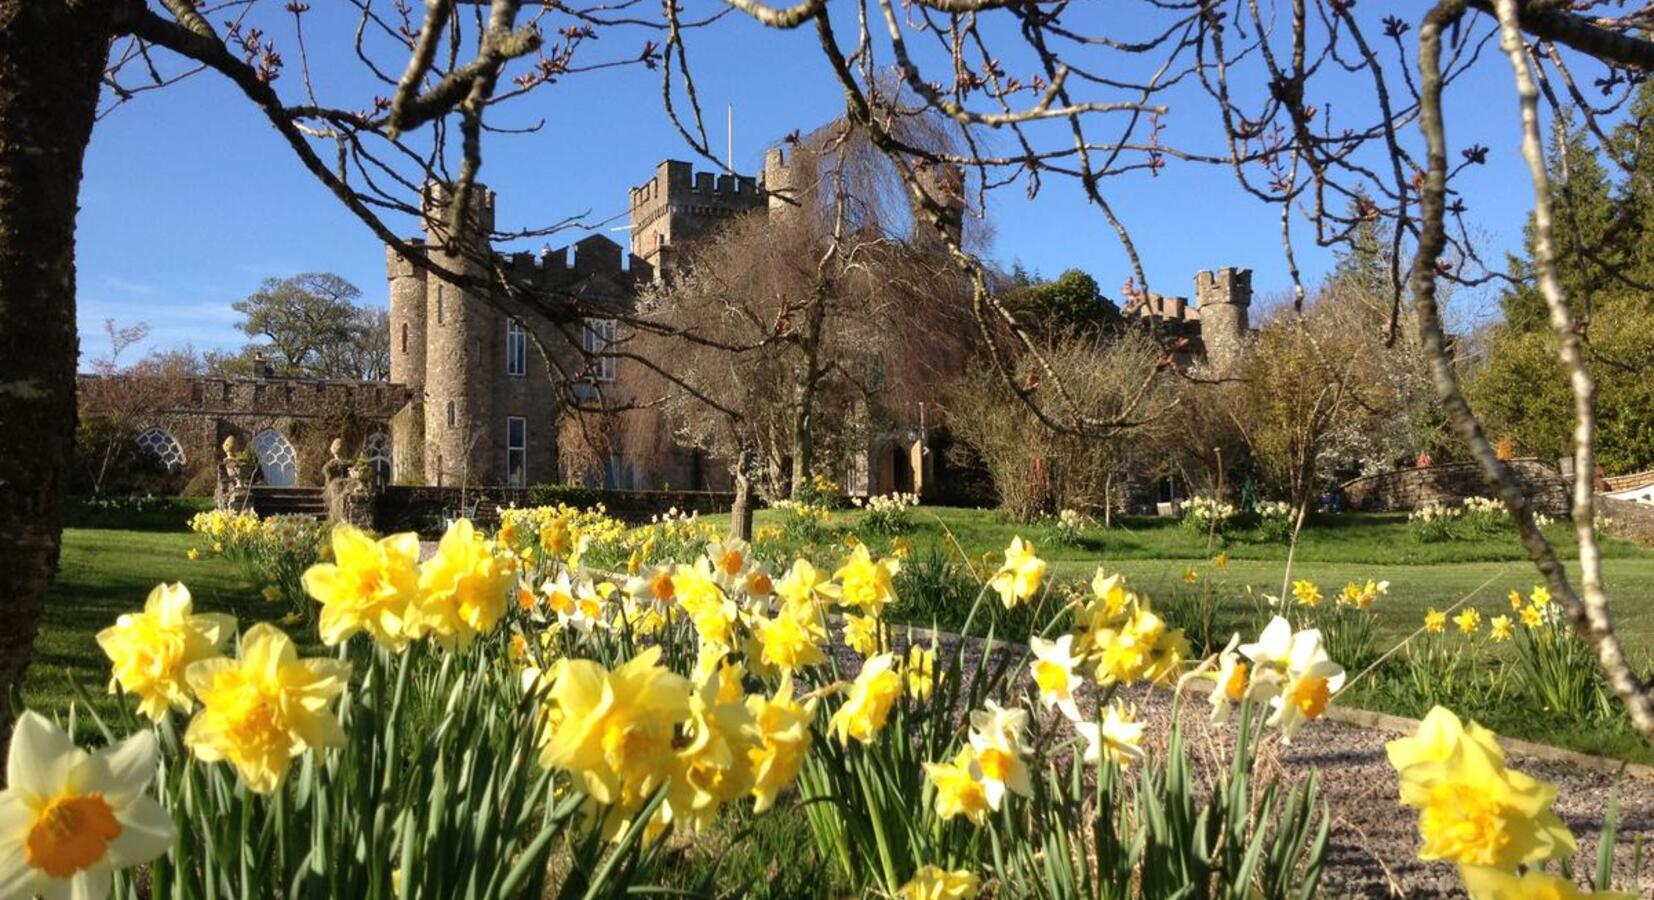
779, 183
407, 285
680, 205
945, 185
1222, 300
460, 334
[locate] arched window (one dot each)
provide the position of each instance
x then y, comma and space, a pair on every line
377, 449
158, 444
277, 460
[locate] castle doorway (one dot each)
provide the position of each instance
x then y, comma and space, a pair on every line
277, 461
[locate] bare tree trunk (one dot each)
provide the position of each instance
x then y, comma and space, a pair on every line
804, 397
740, 512
52, 56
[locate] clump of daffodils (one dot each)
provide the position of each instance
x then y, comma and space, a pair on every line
1121, 639
1204, 513
1289, 670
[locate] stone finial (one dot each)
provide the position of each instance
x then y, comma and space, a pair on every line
337, 448
229, 446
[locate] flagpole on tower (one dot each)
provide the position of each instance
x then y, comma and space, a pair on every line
729, 145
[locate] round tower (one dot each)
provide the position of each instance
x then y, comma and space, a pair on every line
407, 341
1222, 300
779, 183
460, 431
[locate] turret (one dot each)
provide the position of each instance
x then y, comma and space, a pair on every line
461, 332
1223, 299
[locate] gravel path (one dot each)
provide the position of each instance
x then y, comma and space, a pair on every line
1374, 839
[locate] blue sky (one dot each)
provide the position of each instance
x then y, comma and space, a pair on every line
190, 198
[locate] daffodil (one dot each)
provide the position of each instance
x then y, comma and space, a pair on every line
861, 633
998, 739
730, 558
871, 696
1473, 810
1109, 592
1540, 596
934, 883
791, 640
69, 818
265, 707
709, 608
1020, 575
1487, 883
865, 583
1233, 683
1469, 621
1306, 593
1500, 629
960, 789
1190, 575
151, 650
369, 586
193, 554
713, 762
1053, 670
919, 671
781, 732
1119, 735
805, 585
1515, 598
614, 730
463, 588
1434, 621
652, 585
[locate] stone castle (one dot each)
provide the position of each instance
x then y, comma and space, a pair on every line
472, 397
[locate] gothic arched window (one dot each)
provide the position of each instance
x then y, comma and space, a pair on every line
277, 460
159, 444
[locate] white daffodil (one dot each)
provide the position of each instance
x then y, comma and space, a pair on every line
1305, 695
997, 737
1053, 670
652, 586
1119, 735
1232, 682
730, 559
69, 818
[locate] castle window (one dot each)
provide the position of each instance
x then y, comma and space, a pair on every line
278, 462
453, 415
439, 304
377, 449
159, 444
516, 451
404, 337
595, 339
516, 348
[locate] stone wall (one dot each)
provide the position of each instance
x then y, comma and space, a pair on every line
405, 508
1450, 484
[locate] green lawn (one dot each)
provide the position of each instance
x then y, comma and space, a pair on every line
106, 573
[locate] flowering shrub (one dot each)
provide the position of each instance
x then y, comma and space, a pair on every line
1204, 514
1069, 527
888, 513
1432, 522
1274, 520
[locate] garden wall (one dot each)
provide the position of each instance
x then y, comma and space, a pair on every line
1451, 483
404, 508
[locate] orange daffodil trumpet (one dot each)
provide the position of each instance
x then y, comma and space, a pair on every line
151, 650
69, 818
1289, 670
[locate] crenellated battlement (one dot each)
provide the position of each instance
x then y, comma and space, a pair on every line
560, 267
1227, 285
676, 182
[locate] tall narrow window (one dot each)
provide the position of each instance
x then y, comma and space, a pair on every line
516, 348
404, 337
439, 304
516, 451
595, 340
453, 415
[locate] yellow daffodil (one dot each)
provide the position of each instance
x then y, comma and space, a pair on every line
1109, 591
1053, 670
872, 695
1533, 616
151, 650
193, 554
791, 640
1434, 621
781, 728
71, 817
1540, 596
713, 761
1232, 681
960, 790
1221, 561
271, 594
1500, 629
463, 588
710, 610
1469, 622
919, 672
1306, 593
867, 584
614, 729
1515, 599
805, 586
934, 883
1020, 575
1486, 883
998, 738
1473, 810
901, 547
861, 634
1119, 736
264, 707
369, 586
1190, 576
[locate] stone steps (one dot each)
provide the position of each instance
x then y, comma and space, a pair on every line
289, 501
